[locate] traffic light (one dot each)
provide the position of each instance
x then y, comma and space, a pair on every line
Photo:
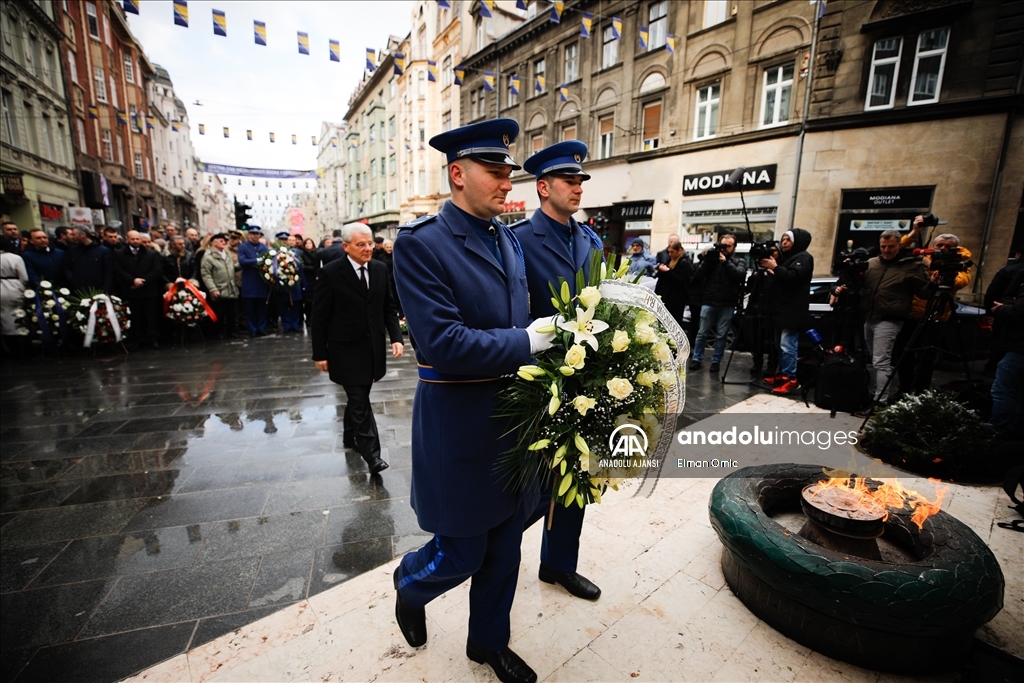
242, 215
599, 224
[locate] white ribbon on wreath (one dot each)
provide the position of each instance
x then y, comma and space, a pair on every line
90, 329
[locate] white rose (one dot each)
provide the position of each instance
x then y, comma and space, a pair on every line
80, 315
644, 334
50, 303
590, 297
661, 352
65, 291
575, 357
19, 313
646, 379
583, 404
29, 294
619, 387
23, 331
620, 340
55, 316
44, 284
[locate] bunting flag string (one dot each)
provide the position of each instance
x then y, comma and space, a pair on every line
122, 117
371, 60
226, 133
513, 85
248, 135
181, 13
432, 71
313, 137
670, 43
643, 37
489, 81
538, 86
399, 63
587, 25
557, 7
259, 30
202, 129
130, 6
563, 93
272, 137
94, 111
303, 43
295, 140
616, 28
220, 23
335, 48
460, 74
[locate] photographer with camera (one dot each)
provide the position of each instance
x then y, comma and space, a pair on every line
886, 295
948, 268
788, 300
720, 277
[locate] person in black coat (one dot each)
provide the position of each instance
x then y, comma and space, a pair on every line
352, 307
42, 261
178, 262
788, 299
140, 283
674, 281
89, 265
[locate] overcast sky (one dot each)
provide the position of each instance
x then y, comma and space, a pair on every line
266, 89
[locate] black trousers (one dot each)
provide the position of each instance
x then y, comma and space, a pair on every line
225, 311
360, 425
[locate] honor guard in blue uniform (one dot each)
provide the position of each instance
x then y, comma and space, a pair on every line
255, 289
462, 282
554, 245
289, 299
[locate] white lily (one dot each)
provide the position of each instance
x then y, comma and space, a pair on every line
584, 327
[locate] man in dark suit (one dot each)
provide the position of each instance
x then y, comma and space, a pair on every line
140, 283
554, 245
352, 306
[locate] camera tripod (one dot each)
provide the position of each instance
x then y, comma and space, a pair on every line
937, 303
760, 320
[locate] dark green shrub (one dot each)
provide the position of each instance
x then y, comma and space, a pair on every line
933, 435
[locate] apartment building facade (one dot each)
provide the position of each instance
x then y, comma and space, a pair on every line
177, 178
37, 162
331, 201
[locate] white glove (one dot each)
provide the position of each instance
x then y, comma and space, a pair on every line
541, 341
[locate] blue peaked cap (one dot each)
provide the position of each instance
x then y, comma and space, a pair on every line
487, 141
562, 158
254, 228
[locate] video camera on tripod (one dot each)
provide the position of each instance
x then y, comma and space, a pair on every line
947, 263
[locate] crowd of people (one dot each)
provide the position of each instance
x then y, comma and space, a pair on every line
140, 267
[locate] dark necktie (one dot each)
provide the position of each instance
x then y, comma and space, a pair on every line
362, 276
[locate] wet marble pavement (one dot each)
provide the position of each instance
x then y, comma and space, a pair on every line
153, 502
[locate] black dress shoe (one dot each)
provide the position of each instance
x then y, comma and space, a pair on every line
412, 621
377, 465
580, 586
507, 665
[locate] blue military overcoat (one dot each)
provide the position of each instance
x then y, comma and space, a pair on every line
547, 256
253, 284
467, 315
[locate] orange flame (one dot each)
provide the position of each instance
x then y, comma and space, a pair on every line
890, 494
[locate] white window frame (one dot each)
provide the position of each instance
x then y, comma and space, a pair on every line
100, 81
710, 104
129, 68
80, 125
778, 87
73, 66
446, 71
540, 68
422, 184
113, 92
10, 124
92, 20
606, 141
609, 49
939, 52
513, 98
48, 148
715, 12
657, 25
107, 145
885, 61
572, 62
647, 144
139, 171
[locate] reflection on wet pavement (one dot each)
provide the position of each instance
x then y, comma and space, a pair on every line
153, 502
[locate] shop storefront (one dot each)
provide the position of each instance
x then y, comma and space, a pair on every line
712, 207
864, 214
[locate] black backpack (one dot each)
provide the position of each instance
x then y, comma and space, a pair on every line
842, 384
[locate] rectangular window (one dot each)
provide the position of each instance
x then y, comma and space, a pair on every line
536, 143
572, 62
652, 126
885, 69
80, 125
513, 95
108, 145
928, 66
423, 131
446, 121
62, 150
475, 103
72, 66
423, 182
421, 85
569, 132
715, 12
10, 127
657, 15
129, 68
373, 203
373, 168
48, 138
94, 21
100, 83
52, 70
391, 127
373, 131
30, 124
539, 68
120, 150
446, 72
607, 143
394, 199
138, 165
776, 97
707, 112
392, 164
106, 33
610, 53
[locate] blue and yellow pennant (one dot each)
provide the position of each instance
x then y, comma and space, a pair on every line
181, 13
513, 85
563, 93
131, 6
313, 138
220, 23
272, 137
94, 111
295, 140
335, 47
226, 132
538, 85
432, 71
303, 43
670, 43
371, 60
259, 30
486, 7
122, 117
248, 135
616, 28
586, 25
460, 74
202, 129
489, 81
557, 7
643, 37
150, 122
399, 63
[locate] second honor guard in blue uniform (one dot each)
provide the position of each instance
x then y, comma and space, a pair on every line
255, 289
462, 282
554, 245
